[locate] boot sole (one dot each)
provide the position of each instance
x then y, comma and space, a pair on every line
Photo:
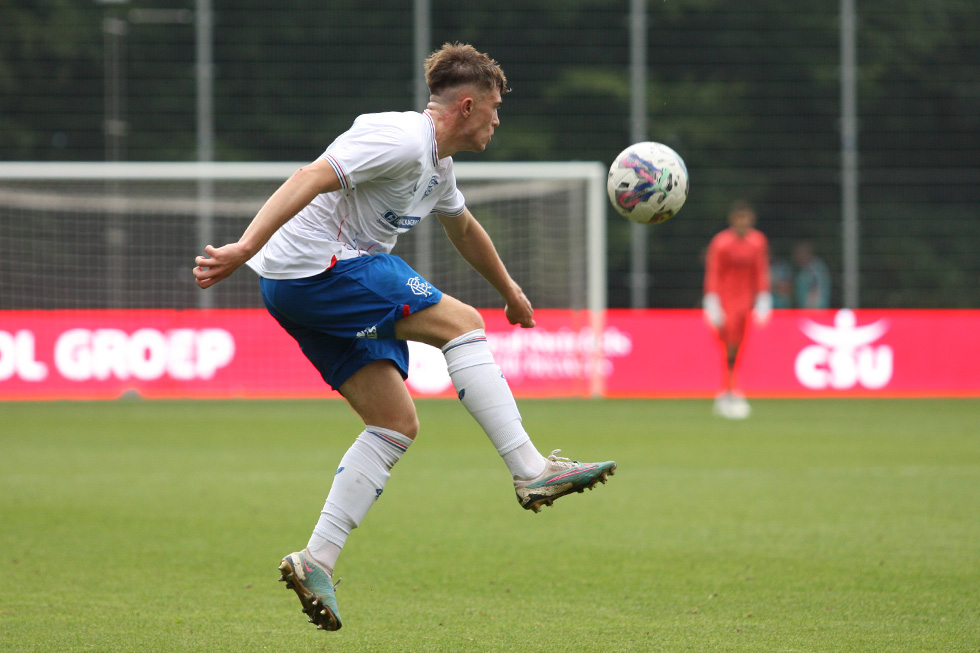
319, 614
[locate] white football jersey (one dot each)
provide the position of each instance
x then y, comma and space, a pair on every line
391, 178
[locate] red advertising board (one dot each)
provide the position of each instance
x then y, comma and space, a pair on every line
882, 353
654, 353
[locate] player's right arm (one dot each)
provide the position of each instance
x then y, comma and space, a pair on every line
474, 245
219, 263
711, 302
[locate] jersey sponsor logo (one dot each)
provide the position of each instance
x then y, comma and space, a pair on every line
845, 355
419, 287
370, 332
393, 221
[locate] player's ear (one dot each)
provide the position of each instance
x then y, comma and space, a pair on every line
466, 105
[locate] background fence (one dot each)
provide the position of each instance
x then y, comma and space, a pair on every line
748, 92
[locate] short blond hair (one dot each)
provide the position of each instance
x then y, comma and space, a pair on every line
458, 64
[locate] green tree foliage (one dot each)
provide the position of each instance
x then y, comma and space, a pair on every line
50, 57
748, 92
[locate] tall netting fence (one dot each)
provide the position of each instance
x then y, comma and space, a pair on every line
92, 236
749, 93
110, 243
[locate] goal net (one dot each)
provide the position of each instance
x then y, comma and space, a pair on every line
124, 235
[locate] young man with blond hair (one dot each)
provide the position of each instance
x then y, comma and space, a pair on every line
321, 247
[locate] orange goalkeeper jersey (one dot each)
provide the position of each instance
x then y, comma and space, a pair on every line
737, 269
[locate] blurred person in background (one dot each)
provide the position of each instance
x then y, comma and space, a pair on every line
736, 285
781, 277
812, 277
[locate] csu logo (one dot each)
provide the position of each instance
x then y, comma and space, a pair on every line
844, 355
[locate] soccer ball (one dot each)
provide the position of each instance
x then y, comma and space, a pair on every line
648, 183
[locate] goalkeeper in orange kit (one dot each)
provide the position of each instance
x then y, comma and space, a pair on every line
736, 284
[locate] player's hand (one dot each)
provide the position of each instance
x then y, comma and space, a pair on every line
218, 263
519, 311
717, 320
713, 311
762, 308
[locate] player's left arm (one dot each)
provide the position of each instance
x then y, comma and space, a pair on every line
475, 246
763, 296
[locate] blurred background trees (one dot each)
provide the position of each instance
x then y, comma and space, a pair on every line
747, 92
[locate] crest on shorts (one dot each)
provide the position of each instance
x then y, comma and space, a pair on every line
420, 286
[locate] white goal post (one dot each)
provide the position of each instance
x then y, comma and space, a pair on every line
61, 221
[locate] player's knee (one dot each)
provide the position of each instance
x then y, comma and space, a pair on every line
732, 356
401, 419
406, 423
409, 426
455, 319
469, 319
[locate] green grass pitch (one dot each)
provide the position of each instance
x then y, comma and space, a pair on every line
823, 525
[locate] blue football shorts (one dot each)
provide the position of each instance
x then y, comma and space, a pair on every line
344, 318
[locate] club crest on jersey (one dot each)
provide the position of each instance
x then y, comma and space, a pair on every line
395, 221
419, 286
429, 187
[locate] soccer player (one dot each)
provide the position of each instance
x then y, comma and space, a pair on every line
320, 246
736, 283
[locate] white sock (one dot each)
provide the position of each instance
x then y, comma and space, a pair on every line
484, 392
525, 461
357, 484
